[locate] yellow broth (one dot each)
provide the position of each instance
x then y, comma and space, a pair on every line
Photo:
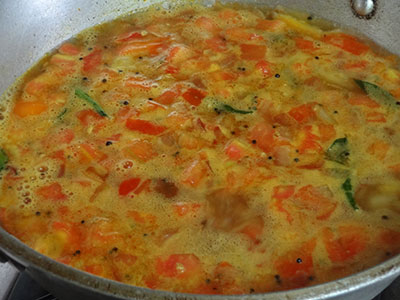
222, 150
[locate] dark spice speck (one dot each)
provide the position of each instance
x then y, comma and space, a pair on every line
299, 260
108, 143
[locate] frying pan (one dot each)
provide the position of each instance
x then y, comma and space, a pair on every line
30, 28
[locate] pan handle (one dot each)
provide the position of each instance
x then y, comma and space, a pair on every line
4, 259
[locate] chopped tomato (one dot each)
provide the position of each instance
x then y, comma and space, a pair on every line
128, 186
303, 113
216, 44
326, 132
194, 173
140, 149
222, 75
64, 136
147, 47
142, 217
168, 97
265, 68
356, 65
253, 52
234, 151
87, 116
207, 24
92, 61
145, 186
254, 229
129, 36
346, 42
375, 117
379, 149
69, 49
73, 234
390, 239
317, 200
145, 127
280, 193
263, 134
349, 242
239, 34
52, 192
179, 266
171, 70
364, 100
309, 141
296, 266
89, 153
305, 45
194, 96
25, 109
269, 25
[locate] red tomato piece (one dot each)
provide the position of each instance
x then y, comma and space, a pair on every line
295, 267
263, 134
346, 42
130, 36
140, 149
350, 241
179, 266
168, 97
363, 100
253, 52
92, 61
375, 117
303, 113
207, 24
171, 70
52, 192
69, 49
128, 186
234, 151
305, 45
194, 96
326, 132
309, 141
88, 115
283, 192
141, 217
145, 127
194, 173
216, 44
316, 200
265, 68
254, 229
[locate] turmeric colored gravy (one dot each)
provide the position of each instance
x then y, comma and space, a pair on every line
222, 150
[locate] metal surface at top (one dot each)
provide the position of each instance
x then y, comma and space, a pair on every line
30, 28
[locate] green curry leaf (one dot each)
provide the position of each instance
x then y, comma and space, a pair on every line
3, 159
81, 94
228, 108
376, 93
338, 151
348, 190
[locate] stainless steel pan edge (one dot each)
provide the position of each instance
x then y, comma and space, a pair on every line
30, 28
69, 283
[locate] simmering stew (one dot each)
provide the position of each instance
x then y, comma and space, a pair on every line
220, 150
